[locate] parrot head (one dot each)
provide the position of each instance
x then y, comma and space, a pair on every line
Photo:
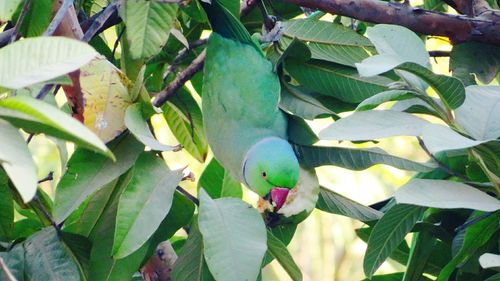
271, 169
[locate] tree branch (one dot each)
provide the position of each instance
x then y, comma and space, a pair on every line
56, 21
101, 21
180, 80
484, 28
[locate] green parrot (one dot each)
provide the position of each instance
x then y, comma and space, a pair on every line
245, 129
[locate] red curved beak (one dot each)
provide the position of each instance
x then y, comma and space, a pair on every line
278, 197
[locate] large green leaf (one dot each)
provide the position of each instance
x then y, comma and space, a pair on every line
87, 172
329, 41
339, 81
398, 41
184, 118
332, 202
191, 265
83, 220
6, 206
16, 160
47, 258
421, 250
388, 233
37, 18
144, 203
234, 237
148, 25
134, 120
450, 90
14, 260
7, 9
476, 235
279, 251
301, 102
37, 116
217, 182
479, 115
474, 57
39, 59
380, 98
445, 195
489, 260
354, 159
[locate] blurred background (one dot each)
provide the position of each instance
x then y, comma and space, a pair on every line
325, 246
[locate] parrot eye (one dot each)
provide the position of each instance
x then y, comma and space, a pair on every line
264, 175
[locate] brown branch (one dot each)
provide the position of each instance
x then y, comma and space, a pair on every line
98, 23
180, 80
456, 27
436, 54
58, 18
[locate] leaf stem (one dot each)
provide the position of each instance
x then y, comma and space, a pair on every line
441, 165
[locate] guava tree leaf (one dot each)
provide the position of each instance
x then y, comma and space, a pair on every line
34, 60
445, 195
217, 182
302, 102
234, 236
474, 57
16, 160
279, 251
388, 233
329, 41
148, 25
354, 159
88, 172
489, 260
332, 202
144, 203
37, 116
380, 98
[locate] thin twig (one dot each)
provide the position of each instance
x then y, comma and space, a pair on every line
180, 80
182, 54
44, 91
99, 21
117, 41
439, 53
49, 177
36, 201
188, 195
20, 20
441, 165
56, 21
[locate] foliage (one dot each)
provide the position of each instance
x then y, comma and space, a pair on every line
116, 199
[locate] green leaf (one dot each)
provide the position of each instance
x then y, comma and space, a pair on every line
34, 60
6, 204
234, 237
191, 265
37, 18
445, 195
134, 120
450, 90
16, 160
495, 277
474, 57
388, 233
479, 115
83, 220
144, 203
400, 42
217, 182
329, 41
80, 247
301, 102
88, 172
37, 116
476, 235
14, 259
47, 258
184, 118
438, 138
353, 159
279, 251
421, 250
341, 82
332, 202
148, 25
383, 97
398, 276
400, 254
7, 9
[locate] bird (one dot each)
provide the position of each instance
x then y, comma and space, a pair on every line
245, 129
